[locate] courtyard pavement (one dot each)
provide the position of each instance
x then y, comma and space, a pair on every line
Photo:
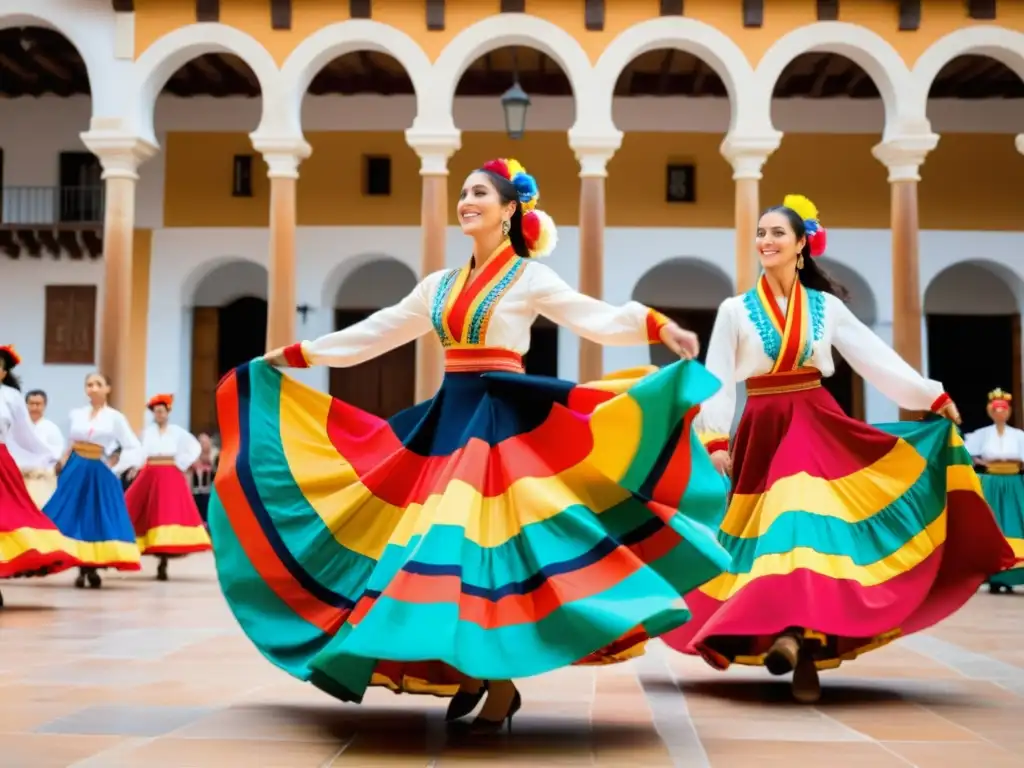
158, 675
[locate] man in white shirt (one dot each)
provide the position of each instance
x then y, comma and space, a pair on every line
41, 481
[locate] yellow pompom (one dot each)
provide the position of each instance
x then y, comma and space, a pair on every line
514, 167
804, 208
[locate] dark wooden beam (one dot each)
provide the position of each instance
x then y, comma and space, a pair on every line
665, 70
124, 6
593, 15
820, 76
513, 6
671, 8
982, 9
207, 10
910, 15
360, 9
435, 15
753, 13
828, 10
280, 14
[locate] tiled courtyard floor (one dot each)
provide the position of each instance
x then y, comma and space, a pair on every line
158, 675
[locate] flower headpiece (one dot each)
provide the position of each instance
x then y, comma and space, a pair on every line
165, 400
13, 358
998, 398
539, 230
808, 211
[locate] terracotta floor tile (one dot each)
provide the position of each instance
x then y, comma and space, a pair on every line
755, 754
954, 755
50, 751
176, 753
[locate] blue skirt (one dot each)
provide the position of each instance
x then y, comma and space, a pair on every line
88, 507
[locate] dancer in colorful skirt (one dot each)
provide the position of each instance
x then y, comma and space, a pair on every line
40, 473
30, 545
998, 453
844, 536
167, 523
507, 527
89, 503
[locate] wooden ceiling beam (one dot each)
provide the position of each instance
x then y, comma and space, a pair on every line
124, 6
360, 9
820, 74
700, 76
513, 6
593, 15
665, 71
910, 15
982, 9
207, 10
435, 15
671, 8
753, 13
280, 14
828, 10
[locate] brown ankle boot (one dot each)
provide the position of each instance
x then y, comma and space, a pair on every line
806, 686
782, 656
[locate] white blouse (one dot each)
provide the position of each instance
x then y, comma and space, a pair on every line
501, 314
988, 445
172, 441
743, 345
18, 434
110, 430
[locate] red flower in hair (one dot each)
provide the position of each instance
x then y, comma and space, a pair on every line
818, 242
498, 166
13, 356
531, 228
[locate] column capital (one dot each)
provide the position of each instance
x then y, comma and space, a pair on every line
434, 148
120, 153
1020, 143
593, 152
282, 154
748, 154
904, 155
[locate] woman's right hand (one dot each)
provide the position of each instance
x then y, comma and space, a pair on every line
722, 462
275, 357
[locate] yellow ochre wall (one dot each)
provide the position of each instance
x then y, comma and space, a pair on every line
154, 18
836, 170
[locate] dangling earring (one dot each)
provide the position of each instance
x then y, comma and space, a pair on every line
800, 262
506, 225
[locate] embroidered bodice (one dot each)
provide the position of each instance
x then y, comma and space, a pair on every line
756, 334
173, 441
494, 308
988, 445
110, 430
16, 431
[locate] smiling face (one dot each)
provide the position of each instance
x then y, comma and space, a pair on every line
480, 207
36, 406
999, 413
160, 414
97, 389
777, 243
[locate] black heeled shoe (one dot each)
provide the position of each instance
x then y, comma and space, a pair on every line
483, 725
161, 570
80, 580
463, 703
95, 582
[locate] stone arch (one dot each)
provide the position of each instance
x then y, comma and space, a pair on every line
370, 281
705, 286
167, 54
1004, 45
509, 29
867, 49
863, 302
974, 287
702, 40
335, 40
200, 277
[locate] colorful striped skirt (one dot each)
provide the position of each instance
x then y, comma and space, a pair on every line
30, 544
1003, 486
88, 506
853, 533
163, 512
510, 526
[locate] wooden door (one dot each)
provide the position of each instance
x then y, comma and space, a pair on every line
382, 386
205, 368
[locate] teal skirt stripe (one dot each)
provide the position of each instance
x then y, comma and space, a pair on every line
1005, 494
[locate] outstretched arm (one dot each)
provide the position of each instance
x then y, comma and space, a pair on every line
715, 419
593, 319
379, 333
882, 367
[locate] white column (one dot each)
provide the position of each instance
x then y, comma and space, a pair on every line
747, 156
282, 155
434, 150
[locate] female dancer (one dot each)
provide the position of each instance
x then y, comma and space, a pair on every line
167, 523
30, 545
511, 525
998, 453
843, 536
89, 504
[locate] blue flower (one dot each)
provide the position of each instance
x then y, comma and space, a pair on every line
525, 186
811, 226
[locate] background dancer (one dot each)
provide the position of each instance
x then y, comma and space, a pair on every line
41, 476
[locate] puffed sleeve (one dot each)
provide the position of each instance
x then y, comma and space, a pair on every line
132, 456
593, 319
29, 446
188, 448
879, 364
974, 442
379, 333
714, 421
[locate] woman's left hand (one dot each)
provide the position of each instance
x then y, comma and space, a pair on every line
275, 357
130, 473
684, 343
950, 411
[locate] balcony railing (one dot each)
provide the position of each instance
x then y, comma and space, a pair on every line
52, 205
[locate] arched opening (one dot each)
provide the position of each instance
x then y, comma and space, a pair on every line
689, 291
836, 107
384, 385
845, 385
229, 327
975, 306
974, 104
